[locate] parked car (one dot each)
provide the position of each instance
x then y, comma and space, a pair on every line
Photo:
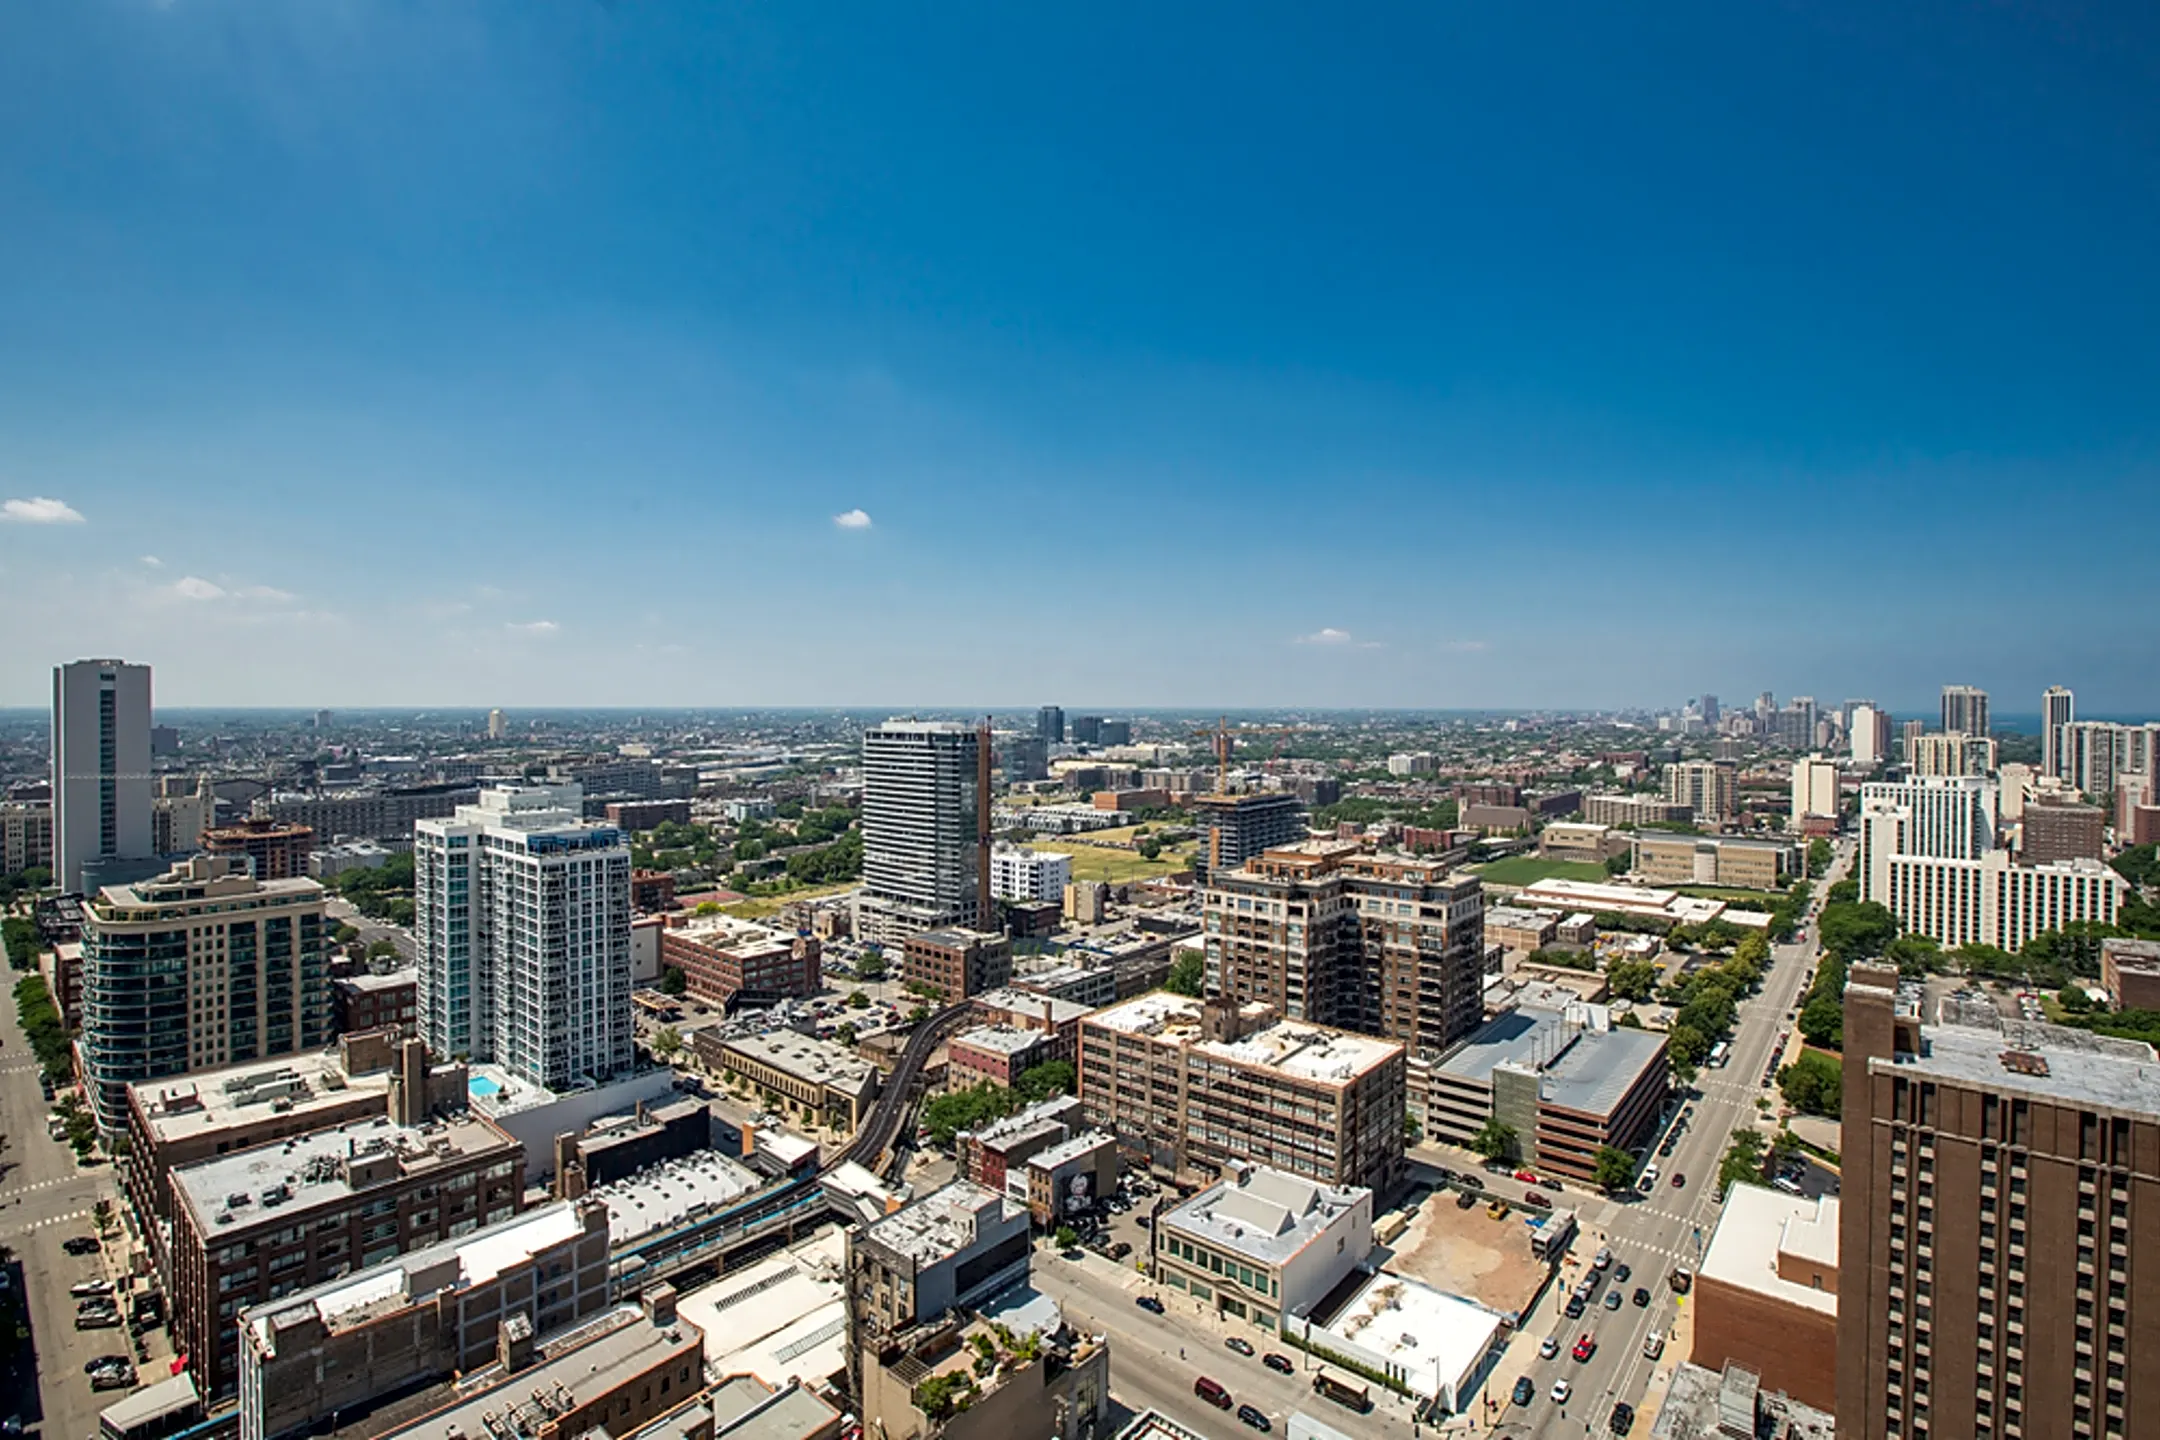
1680, 1278
1603, 1258
1212, 1392
80, 1245
106, 1362
1240, 1344
97, 1319
1536, 1201
1254, 1417
1551, 1184
113, 1379
1623, 1418
1465, 1201
1120, 1250
1468, 1181
1280, 1364
1528, 1177
1498, 1209
84, 1288
1150, 1304
1525, 1392
1574, 1310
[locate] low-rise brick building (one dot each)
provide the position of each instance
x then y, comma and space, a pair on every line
955, 964
1766, 1294
725, 960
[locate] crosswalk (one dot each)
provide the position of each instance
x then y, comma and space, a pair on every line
23, 1069
68, 1219
20, 1191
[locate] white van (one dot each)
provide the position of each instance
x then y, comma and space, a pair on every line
1786, 1185
1653, 1345
1649, 1175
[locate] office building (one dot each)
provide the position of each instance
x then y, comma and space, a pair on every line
1706, 787
339, 1348
1087, 729
1868, 732
617, 1374
1017, 873
1057, 1020
1965, 710
952, 1249
202, 967
993, 1054
1909, 738
256, 1225
1708, 709
1388, 944
1814, 789
955, 964
2058, 710
1581, 840
1261, 1244
987, 1156
1635, 810
728, 962
1564, 1081
1023, 758
638, 816
1993, 901
1951, 753
925, 811
1050, 724
1411, 763
523, 931
812, 1081
2130, 972
1235, 828
498, 725
2051, 831
1517, 929
1794, 726
1999, 1205
1663, 858
26, 836
1091, 985
1766, 1292
1191, 1086
100, 772
272, 849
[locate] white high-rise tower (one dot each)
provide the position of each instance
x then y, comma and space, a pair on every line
100, 767
523, 927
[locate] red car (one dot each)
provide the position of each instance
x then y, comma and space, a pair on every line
1536, 1201
1528, 1177
1586, 1346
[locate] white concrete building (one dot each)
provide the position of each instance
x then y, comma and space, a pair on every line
1263, 1244
921, 830
100, 769
523, 930
1868, 728
1992, 901
1951, 753
1418, 763
1814, 788
1018, 873
1948, 817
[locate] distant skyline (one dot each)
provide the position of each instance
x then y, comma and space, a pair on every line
1412, 357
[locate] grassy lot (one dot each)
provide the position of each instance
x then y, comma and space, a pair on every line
1724, 892
1529, 869
1115, 867
762, 906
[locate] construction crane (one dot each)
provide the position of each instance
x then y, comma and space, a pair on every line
1222, 739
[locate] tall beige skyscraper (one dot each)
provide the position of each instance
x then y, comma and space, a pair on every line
498, 725
100, 770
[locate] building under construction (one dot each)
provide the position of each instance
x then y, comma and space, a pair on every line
1237, 828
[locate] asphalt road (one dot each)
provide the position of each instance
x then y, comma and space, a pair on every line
342, 913
1665, 1227
45, 1197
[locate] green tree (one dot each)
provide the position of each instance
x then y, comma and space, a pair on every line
673, 981
667, 1042
1632, 979
1150, 848
872, 964
1040, 1082
1495, 1141
1618, 864
942, 1396
1743, 1160
1412, 1132
1819, 856
856, 1000
1065, 1238
707, 907
1857, 931
846, 1034
1845, 892
1686, 1045
344, 935
1612, 1168
968, 1109
1629, 1020
2074, 999
381, 950
1822, 1018
1814, 1084
1914, 955
2140, 865
1187, 974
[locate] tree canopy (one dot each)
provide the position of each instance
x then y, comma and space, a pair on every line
1813, 1084
1188, 974
1495, 1140
1613, 1168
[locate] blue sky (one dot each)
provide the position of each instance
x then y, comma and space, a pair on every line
1435, 356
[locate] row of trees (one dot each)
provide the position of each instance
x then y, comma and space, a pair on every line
1708, 1002
1814, 1084
23, 942
41, 1023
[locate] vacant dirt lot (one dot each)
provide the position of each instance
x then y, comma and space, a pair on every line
1467, 1253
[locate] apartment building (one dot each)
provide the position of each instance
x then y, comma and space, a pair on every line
1952, 753
1999, 1200
256, 1225
1389, 945
375, 1002
1944, 817
523, 930
1078, 984
26, 836
1524, 930
201, 967
1235, 828
1057, 1020
1018, 873
923, 812
1635, 810
1705, 787
1965, 709
385, 814
1994, 901
1192, 1086
638, 816
1054, 1385
2052, 832
337, 1349
272, 849
1766, 1292
993, 1054
1664, 858
100, 771
725, 960
2130, 971
1003, 1147
1814, 789
955, 964
1261, 1244
951, 1249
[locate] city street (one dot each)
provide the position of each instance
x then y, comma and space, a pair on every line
1667, 1226
45, 1197
341, 912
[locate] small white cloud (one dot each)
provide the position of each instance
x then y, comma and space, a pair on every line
852, 520
533, 627
153, 562
44, 510
194, 587
1329, 637
1465, 647
262, 592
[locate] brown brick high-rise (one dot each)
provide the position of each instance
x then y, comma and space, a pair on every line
1999, 1248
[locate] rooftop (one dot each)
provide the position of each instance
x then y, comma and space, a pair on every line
783, 1318
1062, 1012
589, 1362
391, 980
1699, 1400
726, 932
1007, 1040
271, 1183
1756, 1224
1309, 1052
1585, 1068
821, 1062
2137, 955
1265, 1215
672, 1194
473, 1259
2040, 1060
1435, 1339
1574, 895
942, 1223
1058, 1112
1072, 1148
1516, 918
181, 1108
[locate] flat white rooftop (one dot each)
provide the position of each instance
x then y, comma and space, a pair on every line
1757, 1224
783, 1318
657, 1200
1437, 1340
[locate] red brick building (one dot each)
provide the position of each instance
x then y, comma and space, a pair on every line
723, 958
278, 849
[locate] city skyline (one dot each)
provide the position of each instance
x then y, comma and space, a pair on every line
677, 358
